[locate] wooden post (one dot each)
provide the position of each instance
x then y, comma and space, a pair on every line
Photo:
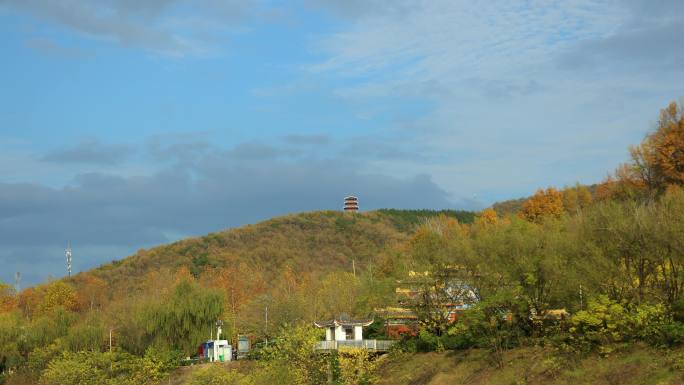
330, 370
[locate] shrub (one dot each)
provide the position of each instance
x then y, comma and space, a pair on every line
94, 368
428, 342
356, 367
217, 375
672, 334
607, 322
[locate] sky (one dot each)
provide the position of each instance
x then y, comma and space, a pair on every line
126, 124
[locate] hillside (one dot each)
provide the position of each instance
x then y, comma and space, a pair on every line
313, 242
637, 365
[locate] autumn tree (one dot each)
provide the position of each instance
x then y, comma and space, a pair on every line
445, 271
658, 161
543, 204
57, 294
92, 293
293, 360
239, 284
28, 300
8, 298
336, 293
526, 257
488, 216
576, 198
668, 160
357, 366
10, 341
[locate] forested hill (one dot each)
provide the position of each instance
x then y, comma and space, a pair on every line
313, 242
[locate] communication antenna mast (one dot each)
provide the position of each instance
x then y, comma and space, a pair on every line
17, 281
67, 253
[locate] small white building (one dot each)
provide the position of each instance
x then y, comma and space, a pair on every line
343, 329
216, 351
346, 332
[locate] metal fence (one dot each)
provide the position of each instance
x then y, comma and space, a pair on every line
377, 345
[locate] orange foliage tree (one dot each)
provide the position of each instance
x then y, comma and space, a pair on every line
544, 203
487, 217
8, 297
239, 283
659, 159
92, 293
656, 163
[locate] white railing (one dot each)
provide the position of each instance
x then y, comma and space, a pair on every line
376, 345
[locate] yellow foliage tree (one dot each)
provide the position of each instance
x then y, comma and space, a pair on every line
55, 295
356, 366
487, 217
584, 197
570, 200
544, 203
576, 198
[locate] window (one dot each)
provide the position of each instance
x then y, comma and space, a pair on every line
349, 333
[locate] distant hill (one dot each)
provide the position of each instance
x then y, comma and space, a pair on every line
316, 242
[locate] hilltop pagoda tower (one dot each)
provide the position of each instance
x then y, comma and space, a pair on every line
351, 204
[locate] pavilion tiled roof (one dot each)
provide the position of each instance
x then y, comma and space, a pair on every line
343, 321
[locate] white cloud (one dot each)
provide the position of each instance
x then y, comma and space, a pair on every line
510, 110
169, 27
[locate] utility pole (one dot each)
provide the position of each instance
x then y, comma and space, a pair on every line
111, 329
354, 267
370, 270
581, 299
266, 325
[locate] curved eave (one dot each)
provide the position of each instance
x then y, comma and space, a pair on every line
327, 324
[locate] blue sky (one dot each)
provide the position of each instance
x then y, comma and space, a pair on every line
125, 124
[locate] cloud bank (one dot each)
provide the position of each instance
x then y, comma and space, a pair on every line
107, 216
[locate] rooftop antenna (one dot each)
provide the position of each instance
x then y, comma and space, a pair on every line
67, 253
219, 329
17, 281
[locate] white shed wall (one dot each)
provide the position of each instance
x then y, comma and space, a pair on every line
358, 333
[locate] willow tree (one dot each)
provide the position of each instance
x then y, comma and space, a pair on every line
185, 317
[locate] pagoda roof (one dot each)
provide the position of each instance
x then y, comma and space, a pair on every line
343, 321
